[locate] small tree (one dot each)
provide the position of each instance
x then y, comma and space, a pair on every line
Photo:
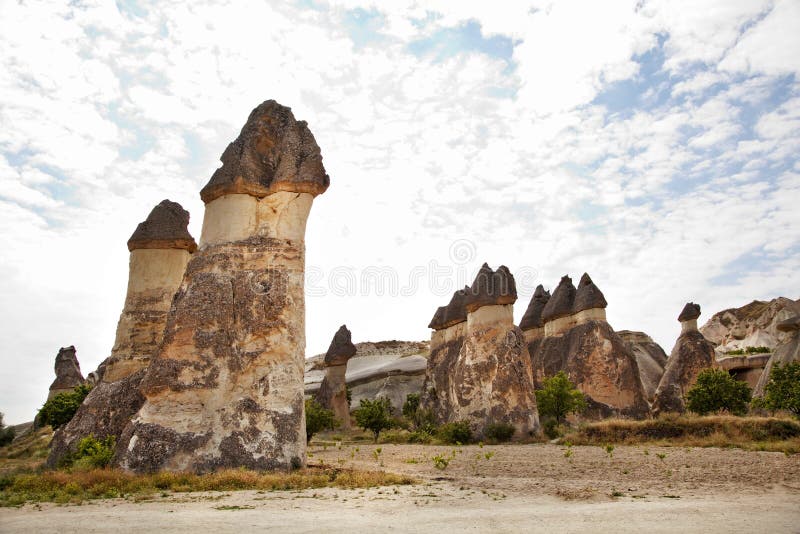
559, 397
716, 390
782, 392
59, 410
6, 433
374, 415
318, 419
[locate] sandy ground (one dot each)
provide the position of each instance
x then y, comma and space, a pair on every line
518, 488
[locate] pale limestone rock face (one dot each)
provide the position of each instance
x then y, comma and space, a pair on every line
226, 386
392, 369
154, 276
786, 352
691, 354
752, 325
650, 359
492, 380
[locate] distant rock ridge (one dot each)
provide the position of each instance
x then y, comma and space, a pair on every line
691, 354
390, 369
752, 325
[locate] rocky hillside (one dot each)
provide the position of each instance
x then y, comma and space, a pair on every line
752, 325
385, 368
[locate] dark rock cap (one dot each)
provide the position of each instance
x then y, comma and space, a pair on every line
341, 348
274, 152
561, 303
789, 325
67, 368
533, 315
588, 295
690, 311
491, 288
165, 227
452, 314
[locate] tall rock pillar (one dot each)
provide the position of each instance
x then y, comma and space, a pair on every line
691, 354
332, 392
159, 249
492, 379
226, 386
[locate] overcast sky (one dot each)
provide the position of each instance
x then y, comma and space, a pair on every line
653, 144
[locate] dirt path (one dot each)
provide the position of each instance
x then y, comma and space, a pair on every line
523, 488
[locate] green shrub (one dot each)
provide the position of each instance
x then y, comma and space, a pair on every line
457, 432
552, 429
559, 397
420, 436
499, 432
6, 433
59, 410
782, 392
317, 419
717, 390
411, 405
374, 415
749, 350
92, 452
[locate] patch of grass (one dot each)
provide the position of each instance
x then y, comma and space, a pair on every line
234, 507
751, 433
78, 486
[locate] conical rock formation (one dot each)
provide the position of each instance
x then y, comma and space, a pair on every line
691, 354
332, 394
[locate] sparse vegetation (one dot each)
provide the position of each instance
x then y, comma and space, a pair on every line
715, 391
317, 419
749, 350
59, 410
411, 405
94, 453
782, 392
78, 486
559, 398
754, 433
499, 432
6, 433
374, 415
456, 432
